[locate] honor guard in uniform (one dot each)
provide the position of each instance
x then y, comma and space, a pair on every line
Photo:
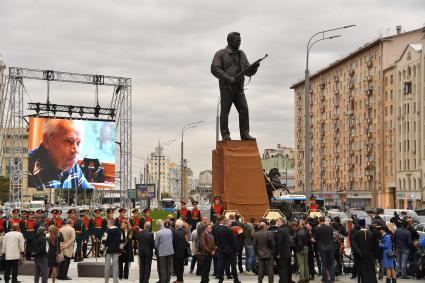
121, 218
39, 220
24, 214
99, 225
183, 213
57, 219
14, 219
2, 223
196, 214
28, 230
110, 214
80, 234
136, 224
147, 217
89, 232
216, 209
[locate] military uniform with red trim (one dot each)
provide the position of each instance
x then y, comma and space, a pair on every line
136, 225
183, 213
14, 219
99, 226
216, 209
147, 217
29, 230
196, 215
121, 218
40, 220
86, 220
2, 223
57, 219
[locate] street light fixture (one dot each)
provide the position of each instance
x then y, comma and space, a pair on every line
307, 141
184, 129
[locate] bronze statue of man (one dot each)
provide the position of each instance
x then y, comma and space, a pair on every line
226, 65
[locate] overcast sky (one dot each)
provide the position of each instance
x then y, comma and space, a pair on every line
166, 47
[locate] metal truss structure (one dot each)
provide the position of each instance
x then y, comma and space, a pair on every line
12, 121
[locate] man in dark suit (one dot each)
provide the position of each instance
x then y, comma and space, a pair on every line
146, 245
283, 251
180, 250
227, 249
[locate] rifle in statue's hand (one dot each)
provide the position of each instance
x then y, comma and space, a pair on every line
250, 67
244, 72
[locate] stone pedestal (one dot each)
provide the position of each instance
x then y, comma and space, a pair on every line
238, 178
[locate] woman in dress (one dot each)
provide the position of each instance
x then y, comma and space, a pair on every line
53, 239
388, 252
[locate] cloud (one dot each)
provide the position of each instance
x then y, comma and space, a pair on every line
166, 47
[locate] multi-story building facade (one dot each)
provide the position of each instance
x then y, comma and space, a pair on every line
409, 128
347, 126
282, 158
159, 165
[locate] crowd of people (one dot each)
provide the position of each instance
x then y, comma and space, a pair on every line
218, 247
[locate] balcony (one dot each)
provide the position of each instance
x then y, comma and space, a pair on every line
350, 86
369, 78
351, 72
322, 85
369, 121
351, 138
350, 112
368, 90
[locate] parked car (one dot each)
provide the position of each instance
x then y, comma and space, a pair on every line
389, 213
332, 213
361, 214
421, 229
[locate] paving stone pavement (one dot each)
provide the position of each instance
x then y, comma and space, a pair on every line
188, 278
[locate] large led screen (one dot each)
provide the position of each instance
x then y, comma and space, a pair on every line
69, 154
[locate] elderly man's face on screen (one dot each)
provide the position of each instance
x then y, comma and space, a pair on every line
62, 140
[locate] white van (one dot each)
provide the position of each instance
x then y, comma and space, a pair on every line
37, 204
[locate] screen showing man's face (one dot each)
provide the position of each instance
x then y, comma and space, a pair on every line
63, 145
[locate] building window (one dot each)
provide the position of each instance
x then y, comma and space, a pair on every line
407, 88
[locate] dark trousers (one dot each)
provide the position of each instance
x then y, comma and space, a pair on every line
28, 245
178, 265
216, 260
237, 98
85, 248
41, 269
265, 266
11, 266
206, 267
327, 257
63, 267
165, 264
78, 249
240, 262
225, 261
144, 268
123, 268
192, 263
284, 265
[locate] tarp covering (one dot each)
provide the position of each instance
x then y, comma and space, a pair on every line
238, 178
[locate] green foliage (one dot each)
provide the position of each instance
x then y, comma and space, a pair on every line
165, 195
159, 214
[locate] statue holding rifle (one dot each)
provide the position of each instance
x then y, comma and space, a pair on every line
230, 66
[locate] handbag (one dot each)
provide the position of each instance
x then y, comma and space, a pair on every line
59, 255
391, 254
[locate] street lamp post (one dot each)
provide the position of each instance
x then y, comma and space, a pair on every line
307, 140
184, 129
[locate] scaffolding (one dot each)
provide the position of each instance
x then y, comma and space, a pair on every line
12, 123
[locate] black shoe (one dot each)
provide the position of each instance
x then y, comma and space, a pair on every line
226, 138
67, 278
353, 277
229, 277
248, 138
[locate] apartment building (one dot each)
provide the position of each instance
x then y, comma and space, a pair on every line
409, 128
351, 139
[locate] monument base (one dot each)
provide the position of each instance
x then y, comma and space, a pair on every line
238, 178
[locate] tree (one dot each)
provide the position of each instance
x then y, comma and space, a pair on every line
4, 189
